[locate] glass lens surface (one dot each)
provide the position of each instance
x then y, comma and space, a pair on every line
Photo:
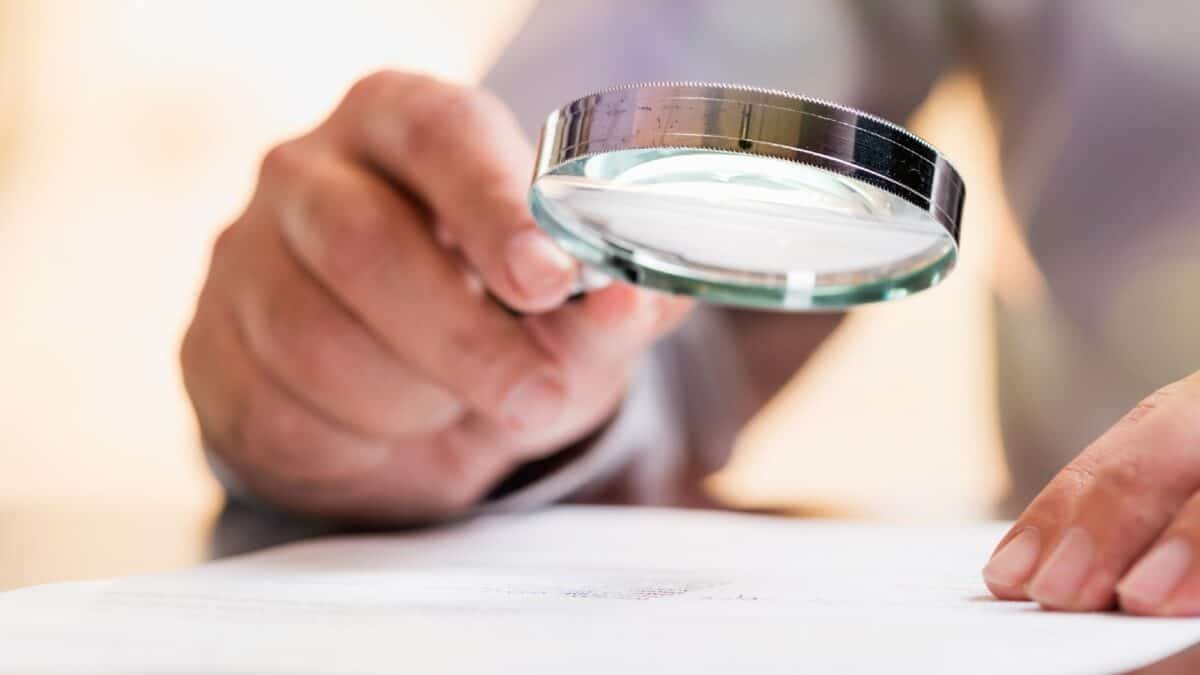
741, 229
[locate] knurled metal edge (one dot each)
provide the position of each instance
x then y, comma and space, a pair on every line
665, 84
941, 170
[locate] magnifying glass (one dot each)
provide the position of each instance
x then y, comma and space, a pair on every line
746, 196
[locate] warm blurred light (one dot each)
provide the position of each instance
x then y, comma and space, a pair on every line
135, 136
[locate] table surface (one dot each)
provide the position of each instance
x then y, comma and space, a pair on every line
57, 543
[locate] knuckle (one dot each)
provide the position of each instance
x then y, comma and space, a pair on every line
223, 245
1124, 477
190, 347
380, 85
1126, 484
440, 102
284, 161
192, 358
435, 112
227, 258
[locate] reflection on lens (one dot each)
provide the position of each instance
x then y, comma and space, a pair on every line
740, 228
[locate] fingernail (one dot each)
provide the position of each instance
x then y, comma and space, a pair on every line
536, 265
1059, 581
535, 401
1154, 578
1014, 562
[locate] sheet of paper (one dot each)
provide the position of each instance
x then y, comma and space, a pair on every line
580, 590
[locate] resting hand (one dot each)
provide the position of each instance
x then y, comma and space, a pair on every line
1120, 525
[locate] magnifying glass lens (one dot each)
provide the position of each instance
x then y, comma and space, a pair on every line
740, 228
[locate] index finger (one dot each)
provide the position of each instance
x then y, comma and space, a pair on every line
463, 155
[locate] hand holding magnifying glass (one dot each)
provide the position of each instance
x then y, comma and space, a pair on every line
349, 358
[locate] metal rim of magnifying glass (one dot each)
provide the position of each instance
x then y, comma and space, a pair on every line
760, 122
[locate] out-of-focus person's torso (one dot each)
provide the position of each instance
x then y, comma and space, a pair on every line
1097, 104
1098, 108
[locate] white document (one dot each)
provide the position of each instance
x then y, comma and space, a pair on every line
580, 590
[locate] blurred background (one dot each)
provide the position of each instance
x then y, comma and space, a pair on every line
130, 133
